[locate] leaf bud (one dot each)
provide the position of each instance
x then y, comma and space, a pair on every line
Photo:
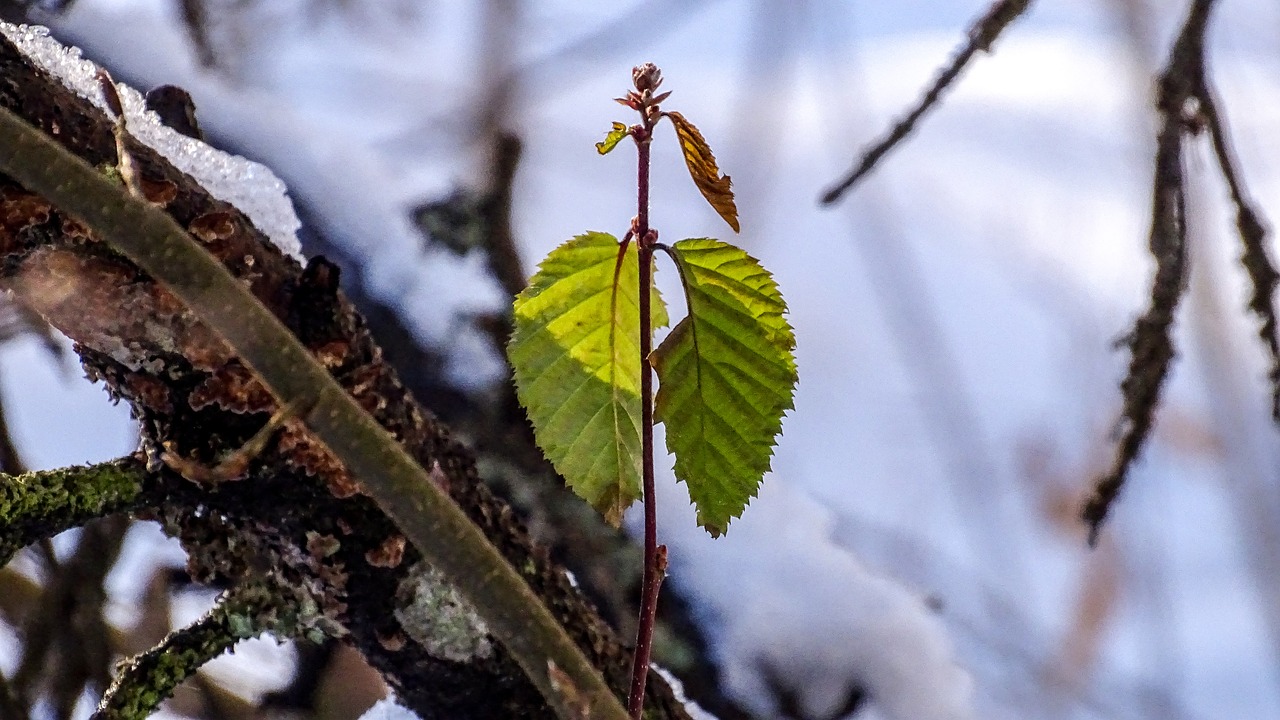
646, 77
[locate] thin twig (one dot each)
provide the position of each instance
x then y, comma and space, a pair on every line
982, 35
235, 466
1150, 343
84, 653
1253, 235
500, 244
67, 646
196, 20
148, 679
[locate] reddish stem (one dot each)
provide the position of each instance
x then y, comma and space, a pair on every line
654, 566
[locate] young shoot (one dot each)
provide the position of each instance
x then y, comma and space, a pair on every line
584, 362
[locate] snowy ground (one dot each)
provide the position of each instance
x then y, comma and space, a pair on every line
954, 319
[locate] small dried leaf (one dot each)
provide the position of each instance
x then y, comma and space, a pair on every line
614, 137
702, 167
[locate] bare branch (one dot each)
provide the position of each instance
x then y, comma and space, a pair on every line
67, 646
1150, 342
1253, 236
982, 35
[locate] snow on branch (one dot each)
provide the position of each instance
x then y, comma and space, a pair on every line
249, 186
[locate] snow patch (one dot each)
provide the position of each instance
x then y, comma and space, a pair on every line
677, 691
247, 185
358, 196
388, 708
787, 607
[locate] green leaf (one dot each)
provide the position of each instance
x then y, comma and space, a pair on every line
727, 375
614, 137
576, 355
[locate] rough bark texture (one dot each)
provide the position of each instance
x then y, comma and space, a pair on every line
296, 515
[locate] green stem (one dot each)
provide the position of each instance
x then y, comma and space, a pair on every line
436, 526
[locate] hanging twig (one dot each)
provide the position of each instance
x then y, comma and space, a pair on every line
982, 35
1253, 235
1150, 342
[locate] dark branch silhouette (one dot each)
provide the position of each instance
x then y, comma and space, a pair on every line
1253, 236
1150, 342
982, 35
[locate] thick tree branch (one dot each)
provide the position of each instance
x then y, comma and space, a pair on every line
402, 488
300, 512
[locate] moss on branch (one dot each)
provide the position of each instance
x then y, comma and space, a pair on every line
148, 679
41, 504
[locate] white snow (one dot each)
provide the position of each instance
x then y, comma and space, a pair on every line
785, 604
361, 197
677, 690
249, 186
388, 709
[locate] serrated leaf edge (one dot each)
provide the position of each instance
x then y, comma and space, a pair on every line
775, 332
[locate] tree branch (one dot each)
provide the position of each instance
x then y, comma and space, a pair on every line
149, 679
42, 504
982, 35
1151, 343
1253, 236
301, 511
402, 488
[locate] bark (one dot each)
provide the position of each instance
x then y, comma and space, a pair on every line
296, 515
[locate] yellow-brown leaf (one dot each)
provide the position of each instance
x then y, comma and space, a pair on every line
702, 168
